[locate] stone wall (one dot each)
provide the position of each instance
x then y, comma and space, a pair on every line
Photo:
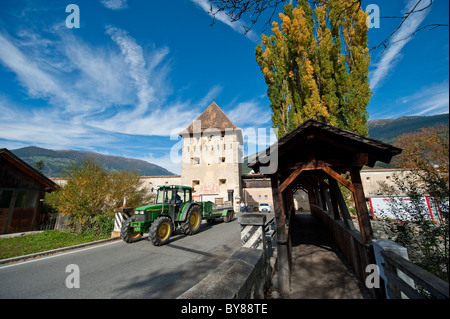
245, 275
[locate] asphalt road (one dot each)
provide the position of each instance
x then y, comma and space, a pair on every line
120, 270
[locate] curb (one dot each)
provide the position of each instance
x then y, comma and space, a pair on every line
54, 251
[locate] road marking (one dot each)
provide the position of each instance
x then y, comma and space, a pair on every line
58, 254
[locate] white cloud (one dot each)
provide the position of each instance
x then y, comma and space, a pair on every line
134, 57
38, 83
45, 128
431, 100
249, 113
115, 4
205, 5
98, 76
392, 55
212, 94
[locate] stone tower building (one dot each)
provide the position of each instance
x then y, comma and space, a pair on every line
211, 157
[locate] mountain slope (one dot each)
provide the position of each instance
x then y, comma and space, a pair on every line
56, 162
388, 130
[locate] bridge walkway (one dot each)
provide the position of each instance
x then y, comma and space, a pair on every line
319, 270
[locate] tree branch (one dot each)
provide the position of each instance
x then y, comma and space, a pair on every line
236, 9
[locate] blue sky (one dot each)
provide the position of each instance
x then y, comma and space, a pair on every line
138, 72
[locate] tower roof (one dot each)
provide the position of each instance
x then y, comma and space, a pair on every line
212, 118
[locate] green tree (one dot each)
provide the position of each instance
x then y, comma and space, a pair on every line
40, 165
91, 195
315, 65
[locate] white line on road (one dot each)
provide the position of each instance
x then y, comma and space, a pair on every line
57, 255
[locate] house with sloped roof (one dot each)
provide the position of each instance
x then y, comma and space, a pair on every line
22, 192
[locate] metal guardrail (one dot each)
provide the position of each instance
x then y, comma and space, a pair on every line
271, 236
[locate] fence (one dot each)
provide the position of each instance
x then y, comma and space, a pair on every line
52, 221
425, 285
402, 278
349, 241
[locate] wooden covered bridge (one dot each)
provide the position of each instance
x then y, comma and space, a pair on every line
314, 157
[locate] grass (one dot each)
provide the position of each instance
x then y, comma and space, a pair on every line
47, 240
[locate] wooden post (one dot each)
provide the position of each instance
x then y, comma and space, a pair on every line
361, 207
326, 198
284, 273
334, 187
334, 200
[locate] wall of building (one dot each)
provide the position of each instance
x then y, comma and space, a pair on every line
20, 199
152, 182
373, 180
211, 165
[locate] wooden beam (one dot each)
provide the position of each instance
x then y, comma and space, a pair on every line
290, 179
360, 159
326, 198
284, 272
301, 167
339, 178
334, 187
334, 199
361, 207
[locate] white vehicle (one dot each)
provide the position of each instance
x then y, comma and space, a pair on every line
264, 208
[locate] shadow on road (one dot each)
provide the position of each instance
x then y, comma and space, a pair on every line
169, 284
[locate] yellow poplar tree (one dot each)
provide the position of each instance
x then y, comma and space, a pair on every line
315, 65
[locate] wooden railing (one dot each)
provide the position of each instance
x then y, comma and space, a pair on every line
426, 285
357, 254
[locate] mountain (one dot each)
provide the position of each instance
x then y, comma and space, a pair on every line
56, 162
388, 130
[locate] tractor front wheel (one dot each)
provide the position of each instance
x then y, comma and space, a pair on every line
127, 232
193, 221
160, 231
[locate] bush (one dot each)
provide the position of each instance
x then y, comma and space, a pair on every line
92, 194
425, 156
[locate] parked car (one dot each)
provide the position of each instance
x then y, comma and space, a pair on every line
264, 208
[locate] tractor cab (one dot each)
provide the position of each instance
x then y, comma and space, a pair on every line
169, 194
175, 197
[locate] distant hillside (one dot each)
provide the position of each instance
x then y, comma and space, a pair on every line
388, 130
56, 162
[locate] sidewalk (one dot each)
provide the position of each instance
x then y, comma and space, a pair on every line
319, 270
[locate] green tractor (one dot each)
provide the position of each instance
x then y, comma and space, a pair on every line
174, 208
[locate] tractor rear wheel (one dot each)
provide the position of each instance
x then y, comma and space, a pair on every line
193, 221
127, 232
160, 231
229, 217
